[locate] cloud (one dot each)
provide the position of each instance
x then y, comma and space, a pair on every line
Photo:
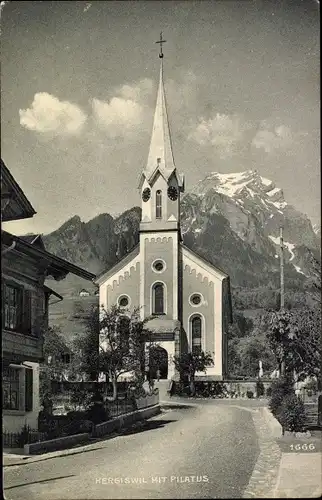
49, 115
271, 138
231, 135
224, 132
137, 92
125, 111
118, 115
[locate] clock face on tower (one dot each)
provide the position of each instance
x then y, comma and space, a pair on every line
172, 193
146, 194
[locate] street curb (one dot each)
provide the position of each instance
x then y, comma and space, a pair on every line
262, 482
164, 404
274, 425
27, 459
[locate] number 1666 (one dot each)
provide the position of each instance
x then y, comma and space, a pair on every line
304, 447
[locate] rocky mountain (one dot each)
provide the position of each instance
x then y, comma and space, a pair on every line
97, 244
317, 230
255, 209
233, 220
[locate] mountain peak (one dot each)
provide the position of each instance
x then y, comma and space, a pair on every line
240, 185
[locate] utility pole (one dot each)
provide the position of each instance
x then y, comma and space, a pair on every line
282, 368
282, 268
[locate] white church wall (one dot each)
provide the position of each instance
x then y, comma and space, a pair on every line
200, 278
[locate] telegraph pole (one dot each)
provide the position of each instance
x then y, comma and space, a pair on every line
281, 268
282, 291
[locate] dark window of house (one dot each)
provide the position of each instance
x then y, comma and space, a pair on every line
196, 332
28, 389
12, 307
158, 204
16, 308
158, 299
10, 388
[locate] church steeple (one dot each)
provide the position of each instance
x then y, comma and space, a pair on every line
160, 152
160, 156
160, 183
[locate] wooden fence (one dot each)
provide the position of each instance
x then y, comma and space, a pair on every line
19, 439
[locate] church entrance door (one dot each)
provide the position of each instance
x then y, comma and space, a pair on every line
158, 361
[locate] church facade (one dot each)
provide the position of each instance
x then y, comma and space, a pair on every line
186, 298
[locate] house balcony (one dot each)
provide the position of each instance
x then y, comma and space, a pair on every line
21, 347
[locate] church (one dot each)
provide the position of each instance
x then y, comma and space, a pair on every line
186, 298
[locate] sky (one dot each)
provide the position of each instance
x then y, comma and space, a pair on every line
78, 90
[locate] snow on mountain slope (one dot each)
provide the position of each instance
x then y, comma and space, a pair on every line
241, 185
256, 209
247, 200
290, 247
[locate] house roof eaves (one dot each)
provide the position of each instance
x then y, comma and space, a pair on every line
56, 262
21, 198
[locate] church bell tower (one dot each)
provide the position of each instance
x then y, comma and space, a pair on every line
160, 190
160, 184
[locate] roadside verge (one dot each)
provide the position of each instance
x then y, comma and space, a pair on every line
57, 447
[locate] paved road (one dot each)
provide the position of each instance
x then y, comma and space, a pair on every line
208, 451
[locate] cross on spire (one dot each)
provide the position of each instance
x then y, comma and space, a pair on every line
161, 41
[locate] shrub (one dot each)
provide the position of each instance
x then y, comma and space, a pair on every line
312, 385
249, 394
76, 416
320, 410
269, 391
97, 413
260, 389
78, 396
291, 414
77, 427
53, 433
281, 388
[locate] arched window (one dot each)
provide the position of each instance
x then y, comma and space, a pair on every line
158, 204
158, 299
196, 333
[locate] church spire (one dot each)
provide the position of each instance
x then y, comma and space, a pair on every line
160, 153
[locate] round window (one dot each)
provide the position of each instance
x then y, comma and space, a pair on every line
158, 266
123, 301
195, 299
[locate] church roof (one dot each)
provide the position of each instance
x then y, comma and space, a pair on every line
162, 325
118, 266
206, 262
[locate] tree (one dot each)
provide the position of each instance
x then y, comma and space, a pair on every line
78, 310
54, 367
247, 345
189, 363
250, 350
114, 343
240, 327
86, 345
295, 339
